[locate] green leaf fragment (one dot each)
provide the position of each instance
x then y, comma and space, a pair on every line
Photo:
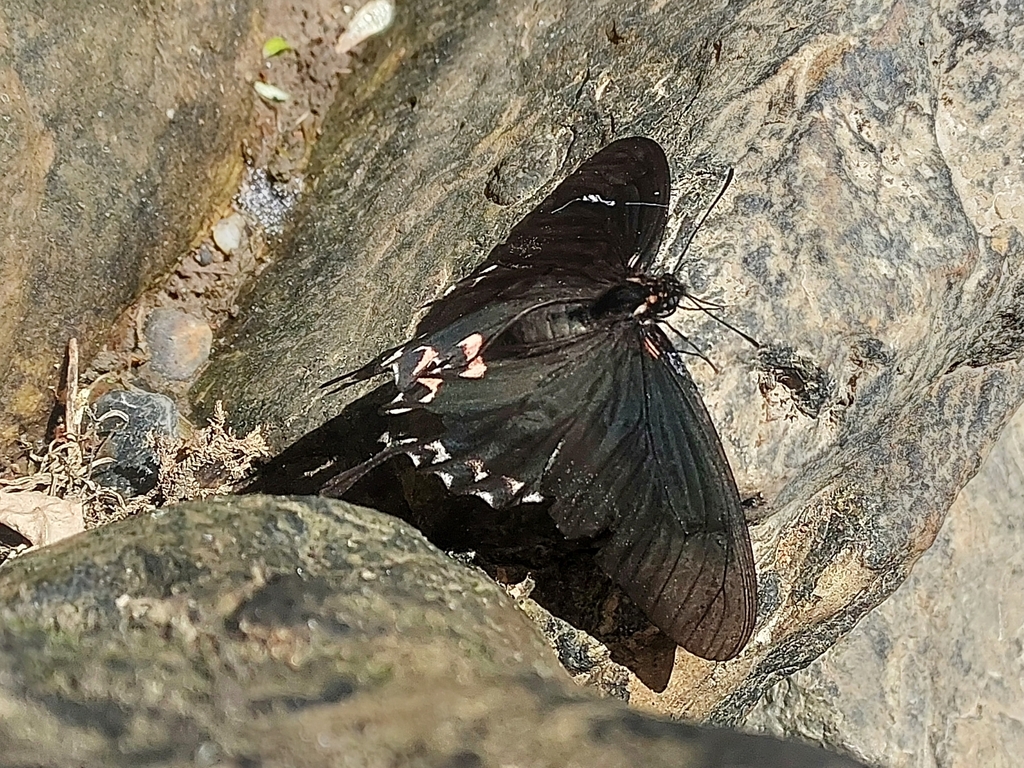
274, 46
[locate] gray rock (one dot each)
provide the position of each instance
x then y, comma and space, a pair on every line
301, 632
933, 677
869, 234
119, 127
178, 342
128, 421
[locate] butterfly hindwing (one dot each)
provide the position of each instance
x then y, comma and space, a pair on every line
621, 443
680, 546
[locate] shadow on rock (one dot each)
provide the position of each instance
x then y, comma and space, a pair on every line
509, 544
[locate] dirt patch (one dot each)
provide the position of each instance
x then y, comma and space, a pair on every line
309, 52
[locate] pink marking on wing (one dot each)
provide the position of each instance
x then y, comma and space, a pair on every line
471, 345
432, 385
429, 355
475, 370
653, 350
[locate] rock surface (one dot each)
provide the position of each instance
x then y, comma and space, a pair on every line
934, 676
291, 632
870, 240
119, 128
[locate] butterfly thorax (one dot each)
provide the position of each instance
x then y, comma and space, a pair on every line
639, 299
645, 297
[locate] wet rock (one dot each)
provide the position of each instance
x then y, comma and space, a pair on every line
302, 632
178, 342
121, 129
267, 201
128, 420
859, 234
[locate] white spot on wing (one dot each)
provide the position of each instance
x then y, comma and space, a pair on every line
514, 486
554, 455
471, 345
592, 198
433, 385
397, 411
532, 498
475, 370
440, 452
479, 473
426, 359
486, 496
393, 356
446, 478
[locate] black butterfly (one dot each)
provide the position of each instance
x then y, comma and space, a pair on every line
544, 375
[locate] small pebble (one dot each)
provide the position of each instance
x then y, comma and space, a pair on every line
204, 255
228, 232
179, 343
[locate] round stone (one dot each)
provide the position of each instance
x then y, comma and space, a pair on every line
179, 343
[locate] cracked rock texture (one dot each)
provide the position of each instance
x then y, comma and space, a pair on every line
872, 235
933, 677
119, 129
302, 632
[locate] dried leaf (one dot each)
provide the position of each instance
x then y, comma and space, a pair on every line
371, 19
41, 518
270, 92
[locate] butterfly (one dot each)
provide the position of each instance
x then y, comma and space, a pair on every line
545, 376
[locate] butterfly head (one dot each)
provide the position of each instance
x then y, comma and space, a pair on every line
662, 297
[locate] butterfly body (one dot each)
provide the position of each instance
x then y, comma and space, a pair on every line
544, 376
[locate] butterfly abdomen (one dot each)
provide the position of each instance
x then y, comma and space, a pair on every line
563, 322
545, 325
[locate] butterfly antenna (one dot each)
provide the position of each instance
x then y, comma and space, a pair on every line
702, 304
746, 336
704, 218
695, 352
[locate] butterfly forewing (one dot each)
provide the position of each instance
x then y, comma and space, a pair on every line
603, 220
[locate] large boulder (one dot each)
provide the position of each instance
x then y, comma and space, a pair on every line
933, 676
870, 241
291, 632
121, 127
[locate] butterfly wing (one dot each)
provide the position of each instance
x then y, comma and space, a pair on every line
679, 544
621, 442
603, 222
